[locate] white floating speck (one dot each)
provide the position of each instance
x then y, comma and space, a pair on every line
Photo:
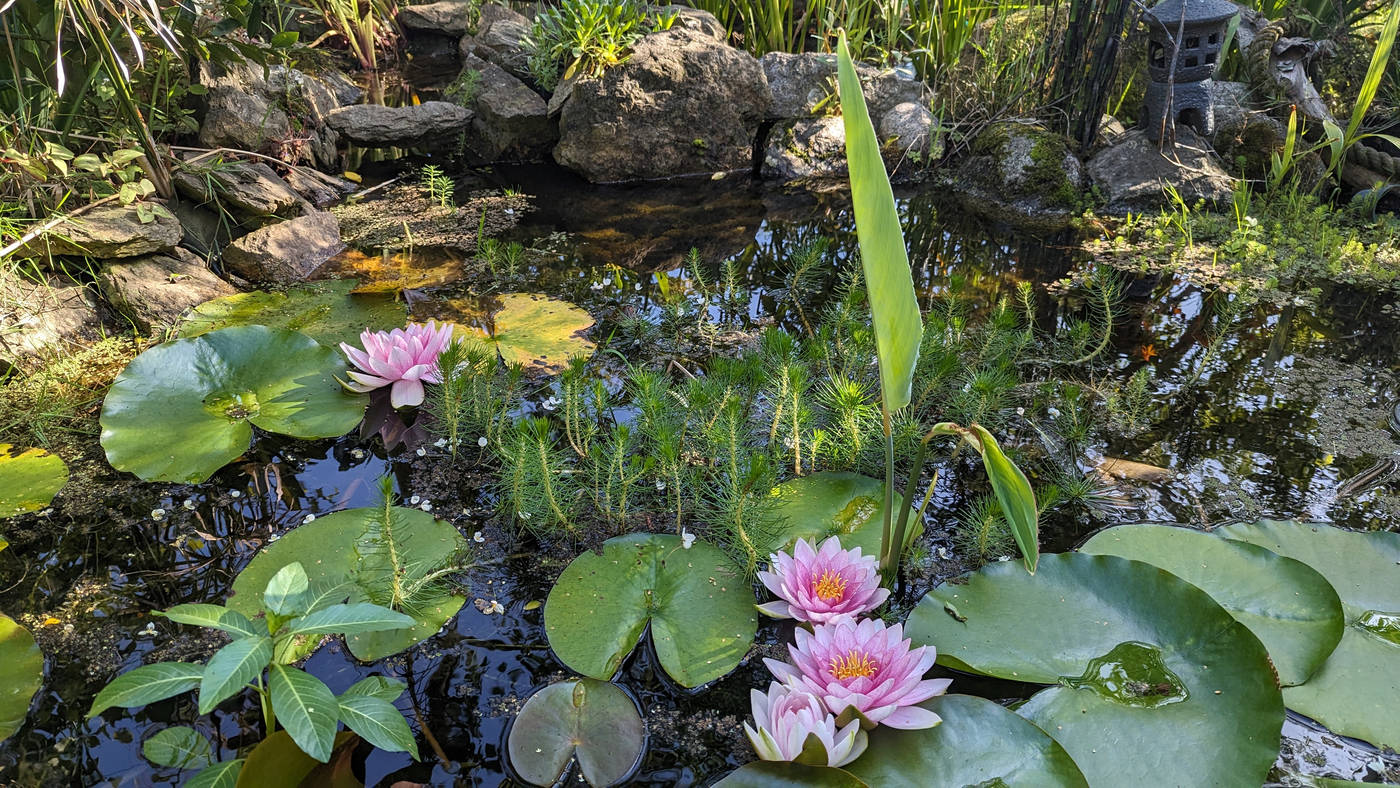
415, 499
308, 518
157, 514
422, 452
477, 537
234, 493
481, 441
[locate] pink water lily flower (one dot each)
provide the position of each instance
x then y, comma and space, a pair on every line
404, 358
824, 584
786, 717
866, 667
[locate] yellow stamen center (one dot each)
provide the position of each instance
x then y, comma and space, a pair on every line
852, 665
830, 587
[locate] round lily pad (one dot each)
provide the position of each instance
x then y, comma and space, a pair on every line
536, 331
700, 607
590, 720
29, 479
1156, 684
1291, 608
328, 312
184, 409
785, 774
23, 673
333, 552
1357, 691
829, 503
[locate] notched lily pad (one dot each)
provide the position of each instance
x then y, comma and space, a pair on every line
29, 479
328, 312
592, 721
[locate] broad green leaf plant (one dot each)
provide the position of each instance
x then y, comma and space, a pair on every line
293, 610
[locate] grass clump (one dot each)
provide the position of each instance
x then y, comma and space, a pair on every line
60, 402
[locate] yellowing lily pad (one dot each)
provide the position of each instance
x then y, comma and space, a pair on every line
329, 312
390, 273
29, 479
21, 677
530, 329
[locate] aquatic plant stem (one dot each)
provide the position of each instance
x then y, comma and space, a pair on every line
269, 716
889, 555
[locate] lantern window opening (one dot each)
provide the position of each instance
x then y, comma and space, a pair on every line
1192, 42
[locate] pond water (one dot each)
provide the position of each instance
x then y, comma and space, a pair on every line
1290, 412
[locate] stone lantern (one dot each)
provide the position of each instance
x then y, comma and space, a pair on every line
1183, 96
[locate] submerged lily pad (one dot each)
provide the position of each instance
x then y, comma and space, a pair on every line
390, 272
328, 312
591, 720
1357, 691
29, 479
23, 673
327, 549
700, 607
978, 743
830, 503
184, 409
530, 329
1190, 699
1285, 603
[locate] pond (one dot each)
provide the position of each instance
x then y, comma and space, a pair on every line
1266, 410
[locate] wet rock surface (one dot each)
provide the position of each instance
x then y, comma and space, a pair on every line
1131, 173
509, 119
445, 17
1022, 175
157, 289
806, 150
287, 252
251, 189
430, 124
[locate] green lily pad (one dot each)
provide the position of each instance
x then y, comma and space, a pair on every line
993, 746
1156, 684
184, 409
847, 505
593, 721
1291, 608
327, 549
328, 312
277, 762
1357, 691
783, 774
23, 673
29, 479
533, 330
700, 607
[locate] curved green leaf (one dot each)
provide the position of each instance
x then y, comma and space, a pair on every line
1357, 691
286, 594
1014, 493
828, 503
220, 775
147, 684
993, 746
377, 722
306, 707
178, 747
386, 689
782, 774
894, 310
1156, 684
1291, 608
700, 607
348, 619
590, 720
23, 673
184, 409
277, 762
328, 312
213, 617
231, 668
29, 479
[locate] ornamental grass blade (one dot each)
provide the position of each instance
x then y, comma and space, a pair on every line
894, 310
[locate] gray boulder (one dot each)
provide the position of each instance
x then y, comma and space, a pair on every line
801, 82
695, 19
1023, 176
907, 129
157, 289
1132, 173
509, 120
249, 108
445, 17
287, 252
430, 124
806, 150
1245, 136
247, 188
43, 318
499, 36
682, 103
318, 188
108, 231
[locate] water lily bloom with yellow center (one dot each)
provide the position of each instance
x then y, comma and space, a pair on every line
404, 358
823, 584
866, 667
786, 718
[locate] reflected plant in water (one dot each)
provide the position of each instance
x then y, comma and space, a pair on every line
822, 585
403, 359
792, 725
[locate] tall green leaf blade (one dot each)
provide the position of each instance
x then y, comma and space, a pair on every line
1014, 493
220, 775
378, 722
213, 617
306, 707
147, 684
349, 619
232, 667
894, 309
1380, 58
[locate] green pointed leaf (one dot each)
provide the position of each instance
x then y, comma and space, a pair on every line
288, 592
306, 707
29, 479
178, 747
378, 722
213, 617
220, 775
22, 674
231, 668
147, 684
700, 607
1357, 690
1014, 493
1154, 683
994, 746
590, 720
828, 503
893, 308
781, 774
1291, 608
382, 687
184, 409
328, 312
349, 619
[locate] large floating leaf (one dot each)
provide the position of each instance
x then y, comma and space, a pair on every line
391, 272
183, 409
700, 606
22, 674
277, 762
825, 504
328, 312
1357, 691
1156, 683
782, 774
530, 329
326, 548
1290, 607
978, 743
29, 479
590, 720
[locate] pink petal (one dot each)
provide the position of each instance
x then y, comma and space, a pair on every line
406, 392
911, 718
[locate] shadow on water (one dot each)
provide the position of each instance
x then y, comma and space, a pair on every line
1271, 417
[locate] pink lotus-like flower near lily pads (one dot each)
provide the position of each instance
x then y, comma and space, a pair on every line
823, 584
786, 718
404, 358
863, 667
